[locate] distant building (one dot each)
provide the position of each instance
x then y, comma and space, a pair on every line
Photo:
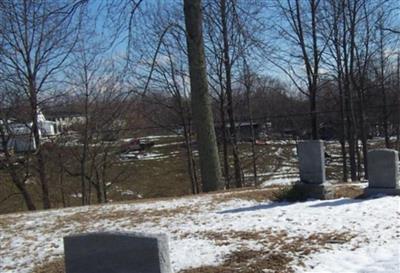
47, 127
64, 120
20, 135
244, 130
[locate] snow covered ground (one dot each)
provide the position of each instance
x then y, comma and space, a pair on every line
341, 235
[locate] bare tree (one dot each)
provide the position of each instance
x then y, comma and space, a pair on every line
38, 38
248, 82
301, 19
17, 165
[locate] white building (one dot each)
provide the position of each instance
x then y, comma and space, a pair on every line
21, 136
46, 127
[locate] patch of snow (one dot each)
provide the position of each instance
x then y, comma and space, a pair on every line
168, 144
142, 156
281, 181
76, 195
33, 237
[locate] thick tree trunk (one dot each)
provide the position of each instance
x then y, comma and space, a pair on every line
201, 106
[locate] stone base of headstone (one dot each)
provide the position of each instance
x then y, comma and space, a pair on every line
315, 191
381, 191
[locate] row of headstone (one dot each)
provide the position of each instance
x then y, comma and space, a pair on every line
147, 253
117, 253
383, 170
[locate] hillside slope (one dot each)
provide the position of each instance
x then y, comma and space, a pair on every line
230, 232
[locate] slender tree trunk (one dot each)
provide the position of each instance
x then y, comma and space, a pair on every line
14, 174
364, 143
26, 196
228, 79
385, 113
362, 126
224, 143
343, 129
22, 189
350, 128
383, 88
253, 139
348, 55
39, 153
61, 182
315, 74
201, 106
337, 6
189, 156
313, 111
359, 167
196, 180
85, 148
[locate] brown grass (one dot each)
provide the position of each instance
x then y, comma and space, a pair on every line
131, 218
250, 194
54, 266
349, 191
277, 255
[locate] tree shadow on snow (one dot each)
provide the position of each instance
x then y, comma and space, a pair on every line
257, 207
337, 202
330, 203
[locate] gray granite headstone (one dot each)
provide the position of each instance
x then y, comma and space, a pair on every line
383, 169
311, 155
117, 253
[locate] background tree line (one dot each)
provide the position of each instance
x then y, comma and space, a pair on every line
135, 67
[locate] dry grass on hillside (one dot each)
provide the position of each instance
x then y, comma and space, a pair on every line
277, 254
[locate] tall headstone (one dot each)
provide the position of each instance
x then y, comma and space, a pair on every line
117, 253
312, 184
383, 172
311, 155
